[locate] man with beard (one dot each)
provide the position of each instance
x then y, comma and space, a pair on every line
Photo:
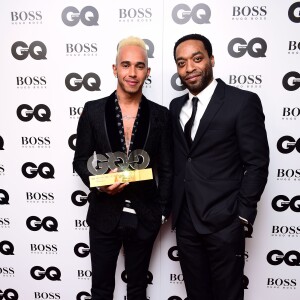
126, 130
221, 159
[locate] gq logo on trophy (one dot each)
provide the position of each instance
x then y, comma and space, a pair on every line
132, 168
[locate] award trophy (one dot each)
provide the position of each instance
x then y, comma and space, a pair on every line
132, 168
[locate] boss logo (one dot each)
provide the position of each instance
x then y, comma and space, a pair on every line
9, 294
43, 248
35, 141
247, 11
41, 112
89, 16
86, 48
83, 296
75, 112
34, 223
200, 13
6, 248
26, 16
280, 282
286, 230
291, 81
276, 257
291, 112
31, 170
90, 81
132, 13
84, 273
149, 277
37, 50
36, 196
28, 81
2, 169
7, 271
288, 174
173, 253
176, 278
245, 79
79, 198
4, 197
294, 45
39, 273
294, 12
281, 203
288, 144
82, 250
81, 224
4, 222
256, 47
44, 296
72, 141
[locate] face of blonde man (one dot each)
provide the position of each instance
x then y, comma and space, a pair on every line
131, 68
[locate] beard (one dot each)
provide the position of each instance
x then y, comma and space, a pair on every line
204, 80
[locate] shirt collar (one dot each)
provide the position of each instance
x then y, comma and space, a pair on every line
205, 95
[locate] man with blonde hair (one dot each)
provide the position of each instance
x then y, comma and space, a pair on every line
125, 124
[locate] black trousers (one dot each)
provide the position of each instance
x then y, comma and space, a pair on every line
212, 264
104, 250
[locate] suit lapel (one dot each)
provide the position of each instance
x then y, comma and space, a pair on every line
178, 126
213, 107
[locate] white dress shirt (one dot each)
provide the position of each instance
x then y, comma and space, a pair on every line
186, 111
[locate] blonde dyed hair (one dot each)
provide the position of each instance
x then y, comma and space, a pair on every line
132, 41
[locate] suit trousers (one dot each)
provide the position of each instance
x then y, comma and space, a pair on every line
212, 264
105, 249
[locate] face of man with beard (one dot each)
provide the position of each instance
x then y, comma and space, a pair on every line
194, 66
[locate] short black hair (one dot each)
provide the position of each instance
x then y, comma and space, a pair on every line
194, 36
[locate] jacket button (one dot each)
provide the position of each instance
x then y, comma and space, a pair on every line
189, 159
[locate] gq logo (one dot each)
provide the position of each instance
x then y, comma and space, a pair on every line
31, 170
287, 144
291, 258
91, 82
6, 248
41, 112
256, 47
89, 16
291, 81
294, 12
72, 141
150, 48
200, 13
39, 273
83, 296
173, 253
281, 203
82, 250
177, 86
4, 197
137, 160
37, 50
1, 143
34, 223
79, 198
9, 294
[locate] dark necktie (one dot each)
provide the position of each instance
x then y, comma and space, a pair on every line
188, 126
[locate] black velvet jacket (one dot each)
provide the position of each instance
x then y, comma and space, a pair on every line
97, 131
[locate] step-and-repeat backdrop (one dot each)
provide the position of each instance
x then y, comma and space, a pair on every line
56, 55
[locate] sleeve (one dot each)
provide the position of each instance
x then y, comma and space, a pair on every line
84, 146
165, 166
254, 151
